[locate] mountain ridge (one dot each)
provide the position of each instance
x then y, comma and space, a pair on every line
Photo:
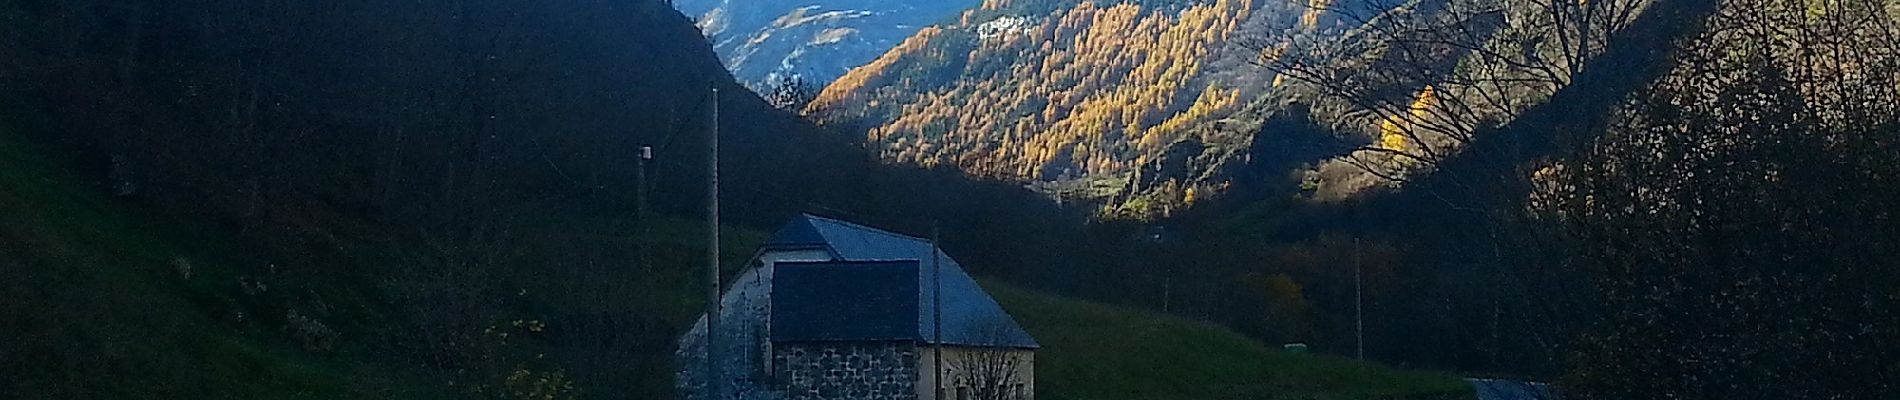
767, 44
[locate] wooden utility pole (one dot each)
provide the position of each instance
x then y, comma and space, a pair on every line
1358, 303
936, 314
712, 254
1167, 290
640, 209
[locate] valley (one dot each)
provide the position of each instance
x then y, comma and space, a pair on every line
1176, 199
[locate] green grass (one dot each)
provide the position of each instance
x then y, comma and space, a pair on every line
93, 308
1096, 351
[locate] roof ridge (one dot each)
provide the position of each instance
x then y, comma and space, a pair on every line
867, 228
852, 262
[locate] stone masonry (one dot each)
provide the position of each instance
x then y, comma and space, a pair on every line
846, 370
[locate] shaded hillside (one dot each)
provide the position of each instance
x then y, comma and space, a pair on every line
109, 299
211, 228
445, 189
1744, 204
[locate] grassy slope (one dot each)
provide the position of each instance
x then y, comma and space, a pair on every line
1095, 351
94, 308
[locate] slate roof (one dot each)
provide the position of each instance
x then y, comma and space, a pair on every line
970, 316
856, 301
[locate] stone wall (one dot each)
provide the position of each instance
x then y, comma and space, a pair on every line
741, 344
743, 331
845, 371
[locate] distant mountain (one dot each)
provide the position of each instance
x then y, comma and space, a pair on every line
766, 41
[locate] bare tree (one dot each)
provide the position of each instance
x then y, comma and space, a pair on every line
1423, 79
1428, 74
1743, 206
991, 370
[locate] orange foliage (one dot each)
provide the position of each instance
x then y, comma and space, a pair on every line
1314, 10
1393, 132
1074, 92
858, 78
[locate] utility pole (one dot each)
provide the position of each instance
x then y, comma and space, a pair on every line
640, 208
936, 314
1154, 242
1167, 290
712, 255
1358, 302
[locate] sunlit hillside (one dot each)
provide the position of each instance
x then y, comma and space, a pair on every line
1057, 91
1148, 106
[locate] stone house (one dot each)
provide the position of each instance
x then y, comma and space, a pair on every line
828, 309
